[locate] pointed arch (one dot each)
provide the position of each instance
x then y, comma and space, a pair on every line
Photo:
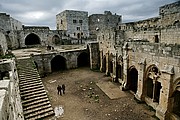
132, 78
32, 39
58, 63
152, 86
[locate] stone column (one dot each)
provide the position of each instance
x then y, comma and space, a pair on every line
107, 63
125, 67
101, 61
140, 94
166, 79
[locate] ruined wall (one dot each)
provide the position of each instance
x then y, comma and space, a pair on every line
10, 26
3, 46
162, 29
10, 101
143, 30
75, 22
170, 14
99, 21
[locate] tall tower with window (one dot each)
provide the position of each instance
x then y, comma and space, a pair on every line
74, 22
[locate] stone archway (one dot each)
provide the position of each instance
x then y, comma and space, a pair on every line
32, 39
104, 64
132, 79
176, 103
110, 63
58, 63
56, 40
152, 85
83, 60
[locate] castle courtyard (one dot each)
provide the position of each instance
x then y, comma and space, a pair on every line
84, 100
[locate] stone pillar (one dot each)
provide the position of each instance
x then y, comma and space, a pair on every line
125, 67
94, 55
166, 79
107, 63
139, 94
101, 61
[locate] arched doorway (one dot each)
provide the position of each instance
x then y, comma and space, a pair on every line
104, 64
118, 72
110, 63
176, 104
78, 35
152, 85
32, 39
132, 79
83, 60
56, 40
58, 63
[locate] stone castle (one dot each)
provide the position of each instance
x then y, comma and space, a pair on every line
142, 56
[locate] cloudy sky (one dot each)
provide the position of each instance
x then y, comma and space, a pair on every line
43, 12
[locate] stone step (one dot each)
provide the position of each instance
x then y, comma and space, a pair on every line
37, 109
35, 102
36, 106
28, 83
33, 99
31, 87
33, 90
32, 93
40, 115
28, 74
35, 95
29, 80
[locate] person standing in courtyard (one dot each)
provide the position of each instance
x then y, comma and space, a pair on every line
59, 90
63, 88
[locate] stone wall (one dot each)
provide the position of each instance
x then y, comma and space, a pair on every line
3, 46
75, 22
99, 21
10, 101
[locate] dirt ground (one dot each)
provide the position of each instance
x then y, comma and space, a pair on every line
84, 100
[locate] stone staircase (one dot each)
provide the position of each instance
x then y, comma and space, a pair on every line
35, 102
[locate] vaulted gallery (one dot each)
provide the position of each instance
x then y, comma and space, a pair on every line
32, 39
58, 63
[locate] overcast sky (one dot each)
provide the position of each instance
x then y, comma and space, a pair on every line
43, 12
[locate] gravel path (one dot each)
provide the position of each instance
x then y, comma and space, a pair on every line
84, 100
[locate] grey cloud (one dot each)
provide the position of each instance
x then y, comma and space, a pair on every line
131, 10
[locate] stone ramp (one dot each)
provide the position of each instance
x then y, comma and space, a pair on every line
110, 89
35, 102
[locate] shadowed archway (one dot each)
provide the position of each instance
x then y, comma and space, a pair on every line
83, 60
133, 79
58, 63
32, 39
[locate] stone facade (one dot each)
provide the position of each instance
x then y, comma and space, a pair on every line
10, 101
99, 21
144, 57
74, 22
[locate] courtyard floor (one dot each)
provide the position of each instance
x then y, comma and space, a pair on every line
84, 98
